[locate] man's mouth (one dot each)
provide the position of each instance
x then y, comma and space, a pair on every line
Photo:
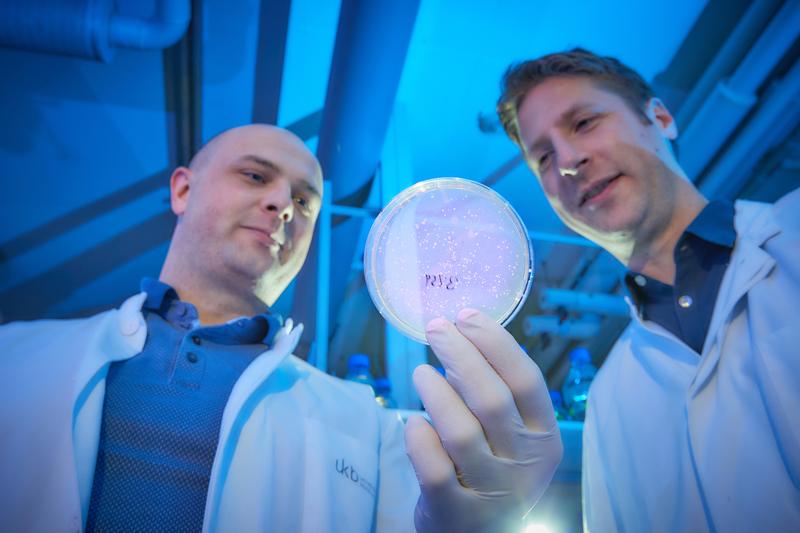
596, 189
266, 238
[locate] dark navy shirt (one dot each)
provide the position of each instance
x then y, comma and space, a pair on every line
701, 258
162, 413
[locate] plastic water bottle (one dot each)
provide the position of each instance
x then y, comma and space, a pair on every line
576, 386
383, 393
558, 405
358, 370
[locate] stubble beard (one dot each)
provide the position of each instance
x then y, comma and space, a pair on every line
641, 209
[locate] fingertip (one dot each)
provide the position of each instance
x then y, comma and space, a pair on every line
470, 319
420, 371
467, 315
431, 464
436, 325
413, 422
422, 377
415, 435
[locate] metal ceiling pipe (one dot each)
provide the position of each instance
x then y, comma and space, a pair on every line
777, 116
88, 28
371, 45
372, 40
571, 328
162, 31
587, 302
735, 47
733, 98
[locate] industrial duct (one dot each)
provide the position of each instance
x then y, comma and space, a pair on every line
88, 28
584, 302
733, 98
585, 328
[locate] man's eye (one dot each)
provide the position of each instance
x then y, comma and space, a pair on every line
255, 177
584, 123
302, 202
544, 159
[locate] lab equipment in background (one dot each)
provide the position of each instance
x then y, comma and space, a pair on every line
383, 393
576, 386
358, 370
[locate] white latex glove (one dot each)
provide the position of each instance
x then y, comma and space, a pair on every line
494, 444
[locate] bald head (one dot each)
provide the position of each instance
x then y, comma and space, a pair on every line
265, 132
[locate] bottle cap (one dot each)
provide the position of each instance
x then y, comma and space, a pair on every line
580, 355
383, 385
358, 360
443, 245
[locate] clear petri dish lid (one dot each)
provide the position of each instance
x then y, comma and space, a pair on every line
443, 245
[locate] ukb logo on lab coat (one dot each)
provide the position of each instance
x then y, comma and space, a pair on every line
345, 493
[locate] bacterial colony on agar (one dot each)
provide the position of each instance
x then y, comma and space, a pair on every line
443, 245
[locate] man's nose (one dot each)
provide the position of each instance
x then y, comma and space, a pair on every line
278, 199
569, 157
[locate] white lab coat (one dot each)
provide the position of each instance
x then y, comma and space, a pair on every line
674, 441
298, 449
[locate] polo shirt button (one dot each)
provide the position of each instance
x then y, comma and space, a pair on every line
192, 357
640, 280
197, 340
685, 301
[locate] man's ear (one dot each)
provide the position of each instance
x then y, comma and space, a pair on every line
179, 185
658, 113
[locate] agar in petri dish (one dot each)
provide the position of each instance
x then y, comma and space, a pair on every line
443, 245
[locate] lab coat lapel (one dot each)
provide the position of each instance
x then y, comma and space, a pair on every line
234, 416
749, 264
121, 335
256, 374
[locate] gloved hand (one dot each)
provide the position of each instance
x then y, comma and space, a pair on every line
494, 443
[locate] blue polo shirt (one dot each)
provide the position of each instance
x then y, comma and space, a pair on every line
701, 256
162, 413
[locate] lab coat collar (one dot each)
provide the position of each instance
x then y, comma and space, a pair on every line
755, 223
120, 336
124, 332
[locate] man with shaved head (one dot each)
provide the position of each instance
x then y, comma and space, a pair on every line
258, 241
184, 410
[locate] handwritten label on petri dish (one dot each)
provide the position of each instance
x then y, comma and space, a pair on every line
445, 281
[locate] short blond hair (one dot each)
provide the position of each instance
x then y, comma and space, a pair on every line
607, 72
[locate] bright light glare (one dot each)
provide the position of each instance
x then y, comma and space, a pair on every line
537, 528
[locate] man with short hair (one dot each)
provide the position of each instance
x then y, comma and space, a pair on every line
690, 423
184, 409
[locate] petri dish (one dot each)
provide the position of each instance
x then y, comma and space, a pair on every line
442, 245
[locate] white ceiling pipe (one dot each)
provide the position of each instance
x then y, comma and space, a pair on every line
88, 28
777, 116
162, 31
736, 46
584, 328
732, 99
605, 304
